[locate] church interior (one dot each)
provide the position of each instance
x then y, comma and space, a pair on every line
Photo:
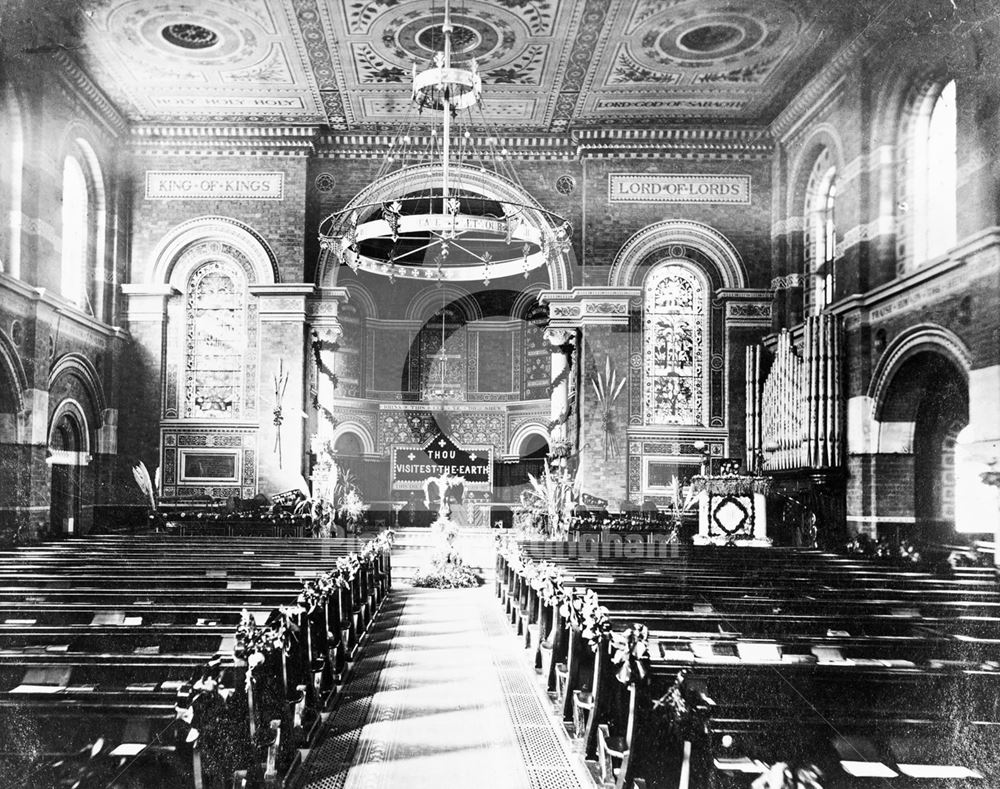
674, 323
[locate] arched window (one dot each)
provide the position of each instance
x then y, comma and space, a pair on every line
675, 335
83, 225
75, 223
12, 170
216, 337
821, 233
935, 174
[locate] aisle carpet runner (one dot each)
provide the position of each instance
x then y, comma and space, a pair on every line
442, 696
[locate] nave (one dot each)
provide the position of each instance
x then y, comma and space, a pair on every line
443, 696
200, 662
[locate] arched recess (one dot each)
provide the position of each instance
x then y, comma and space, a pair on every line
525, 439
13, 379
68, 452
78, 368
917, 339
659, 237
357, 429
927, 397
361, 298
430, 300
473, 179
169, 264
525, 300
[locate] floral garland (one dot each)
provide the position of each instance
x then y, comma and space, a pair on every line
630, 651
562, 375
630, 648
255, 642
316, 591
731, 485
318, 346
585, 613
200, 693
684, 707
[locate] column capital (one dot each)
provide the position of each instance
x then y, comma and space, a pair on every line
328, 330
147, 302
560, 337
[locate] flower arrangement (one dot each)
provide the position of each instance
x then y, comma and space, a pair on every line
447, 570
546, 508
352, 508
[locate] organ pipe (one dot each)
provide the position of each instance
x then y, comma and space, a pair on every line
795, 416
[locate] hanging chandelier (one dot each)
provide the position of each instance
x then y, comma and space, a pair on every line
444, 220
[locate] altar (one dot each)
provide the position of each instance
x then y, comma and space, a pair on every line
732, 510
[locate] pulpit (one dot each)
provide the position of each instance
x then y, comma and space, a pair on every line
732, 510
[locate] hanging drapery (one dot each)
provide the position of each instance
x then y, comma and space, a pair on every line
795, 415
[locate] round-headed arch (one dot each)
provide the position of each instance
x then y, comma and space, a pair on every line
916, 339
186, 235
662, 235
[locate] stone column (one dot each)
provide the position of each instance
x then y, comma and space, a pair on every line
325, 332
562, 342
142, 390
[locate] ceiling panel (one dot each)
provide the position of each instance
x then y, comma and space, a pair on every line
547, 65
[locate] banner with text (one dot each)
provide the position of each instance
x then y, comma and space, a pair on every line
214, 185
411, 465
677, 188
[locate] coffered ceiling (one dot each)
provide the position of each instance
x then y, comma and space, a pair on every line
548, 65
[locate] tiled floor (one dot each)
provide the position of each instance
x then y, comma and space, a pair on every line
443, 697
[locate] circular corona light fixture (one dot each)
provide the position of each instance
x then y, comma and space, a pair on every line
443, 222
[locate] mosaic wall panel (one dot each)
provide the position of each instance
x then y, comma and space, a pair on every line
349, 353
495, 348
466, 428
537, 355
175, 441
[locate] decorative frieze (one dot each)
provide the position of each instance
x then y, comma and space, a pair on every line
678, 188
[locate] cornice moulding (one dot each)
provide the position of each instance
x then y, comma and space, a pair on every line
165, 140
80, 82
805, 100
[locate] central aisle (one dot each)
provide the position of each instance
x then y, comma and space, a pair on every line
443, 697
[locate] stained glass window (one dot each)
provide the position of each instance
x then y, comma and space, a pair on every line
216, 337
674, 354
